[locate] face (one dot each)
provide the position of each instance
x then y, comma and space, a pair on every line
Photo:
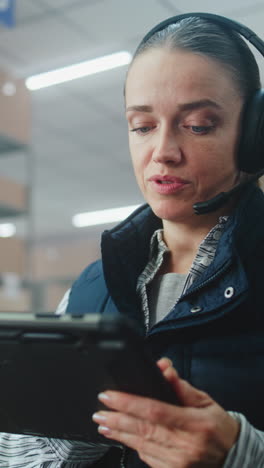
183, 113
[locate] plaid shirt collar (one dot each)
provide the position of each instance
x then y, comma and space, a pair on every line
158, 248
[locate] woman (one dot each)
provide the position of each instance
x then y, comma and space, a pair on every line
185, 94
192, 283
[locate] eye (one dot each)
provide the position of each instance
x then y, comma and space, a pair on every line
142, 130
200, 129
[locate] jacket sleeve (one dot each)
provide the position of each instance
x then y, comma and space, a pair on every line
22, 451
249, 449
61, 308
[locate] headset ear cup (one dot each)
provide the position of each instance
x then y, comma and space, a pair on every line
251, 146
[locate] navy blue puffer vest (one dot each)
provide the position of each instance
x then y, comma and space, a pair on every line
219, 348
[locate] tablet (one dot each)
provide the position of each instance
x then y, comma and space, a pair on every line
52, 369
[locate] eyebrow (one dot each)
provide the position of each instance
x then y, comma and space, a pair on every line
140, 108
182, 107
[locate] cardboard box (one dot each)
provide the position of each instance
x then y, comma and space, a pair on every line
13, 198
15, 115
19, 303
13, 256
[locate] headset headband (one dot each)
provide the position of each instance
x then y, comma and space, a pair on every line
240, 28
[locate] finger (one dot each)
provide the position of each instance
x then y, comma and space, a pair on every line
169, 372
145, 449
153, 453
171, 375
153, 462
153, 411
164, 363
144, 429
161, 435
156, 411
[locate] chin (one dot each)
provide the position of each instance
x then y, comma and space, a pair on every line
172, 211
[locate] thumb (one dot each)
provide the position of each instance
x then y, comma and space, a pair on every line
187, 394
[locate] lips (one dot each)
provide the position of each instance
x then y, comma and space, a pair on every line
167, 184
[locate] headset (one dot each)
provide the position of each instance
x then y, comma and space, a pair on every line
251, 144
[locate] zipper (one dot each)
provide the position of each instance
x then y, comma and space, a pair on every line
197, 288
122, 460
216, 275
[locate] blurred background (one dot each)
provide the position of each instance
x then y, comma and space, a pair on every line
63, 148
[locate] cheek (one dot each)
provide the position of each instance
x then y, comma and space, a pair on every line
218, 158
138, 159
215, 176
138, 168
213, 165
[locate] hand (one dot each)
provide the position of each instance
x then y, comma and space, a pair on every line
198, 434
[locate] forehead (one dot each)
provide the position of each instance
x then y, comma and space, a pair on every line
162, 73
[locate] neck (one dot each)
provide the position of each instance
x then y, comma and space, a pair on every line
183, 240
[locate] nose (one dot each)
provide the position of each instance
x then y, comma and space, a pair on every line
167, 148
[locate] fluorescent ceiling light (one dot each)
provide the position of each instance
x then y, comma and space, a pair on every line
93, 218
7, 230
61, 75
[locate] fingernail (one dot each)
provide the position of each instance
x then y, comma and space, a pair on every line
103, 397
104, 430
98, 417
168, 360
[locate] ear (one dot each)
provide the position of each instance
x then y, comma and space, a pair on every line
251, 146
